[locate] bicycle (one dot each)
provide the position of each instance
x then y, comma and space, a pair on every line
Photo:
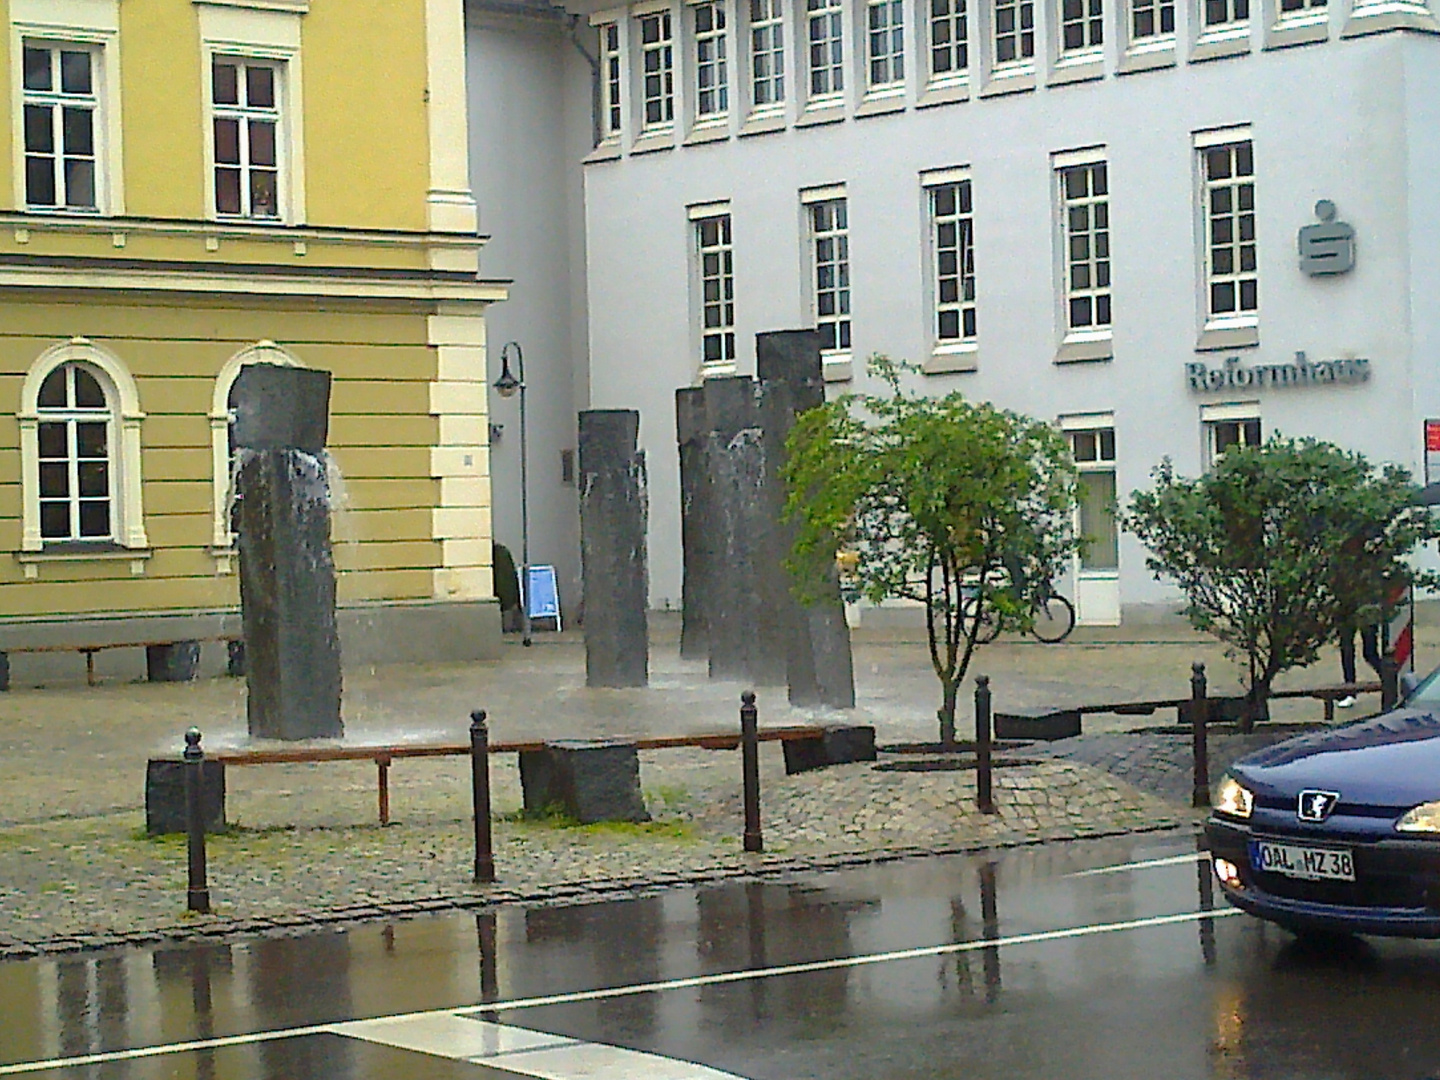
1053, 617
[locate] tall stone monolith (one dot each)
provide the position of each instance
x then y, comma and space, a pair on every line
287, 572
696, 521
613, 515
818, 665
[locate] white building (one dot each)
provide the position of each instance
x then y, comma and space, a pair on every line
1087, 210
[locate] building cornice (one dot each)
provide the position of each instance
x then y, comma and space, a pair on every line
91, 224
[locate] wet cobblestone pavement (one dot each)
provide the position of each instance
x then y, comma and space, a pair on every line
76, 870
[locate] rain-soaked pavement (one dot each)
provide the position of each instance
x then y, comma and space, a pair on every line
1086, 960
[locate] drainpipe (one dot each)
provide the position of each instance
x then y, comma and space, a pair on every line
594, 62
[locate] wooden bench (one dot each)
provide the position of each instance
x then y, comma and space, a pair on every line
89, 651
385, 756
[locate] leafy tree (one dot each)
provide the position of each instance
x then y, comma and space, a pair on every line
1279, 547
962, 506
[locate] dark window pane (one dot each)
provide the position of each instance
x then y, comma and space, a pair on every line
260, 87
1220, 201
1144, 23
40, 181
90, 440
227, 141
949, 325
1249, 296
37, 69
264, 194
39, 130
1222, 297
79, 132
52, 441
1107, 444
827, 335
54, 479
262, 143
949, 291
225, 83
944, 202
88, 394
55, 521
1102, 274
1102, 310
95, 519
1167, 19
1244, 160
52, 390
1217, 163
844, 335
712, 347
969, 322
1080, 311
80, 183
94, 479
227, 191
75, 73
1099, 180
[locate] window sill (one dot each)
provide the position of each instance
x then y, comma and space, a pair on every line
1379, 18
762, 123
1086, 347
1229, 334
837, 367
711, 129
224, 559
1148, 55
651, 141
82, 553
944, 92
829, 111
1221, 42
1079, 66
882, 102
608, 150
1014, 79
952, 359
1299, 29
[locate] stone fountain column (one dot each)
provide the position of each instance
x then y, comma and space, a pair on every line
287, 572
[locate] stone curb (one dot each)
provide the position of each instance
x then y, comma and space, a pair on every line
212, 929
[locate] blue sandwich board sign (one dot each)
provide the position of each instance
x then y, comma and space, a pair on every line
543, 597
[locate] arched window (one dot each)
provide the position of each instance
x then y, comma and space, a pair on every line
76, 434
79, 421
222, 540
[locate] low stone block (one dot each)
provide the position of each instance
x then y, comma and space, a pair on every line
177, 662
1042, 722
589, 780
165, 796
839, 744
1225, 710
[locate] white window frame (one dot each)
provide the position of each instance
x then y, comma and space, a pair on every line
259, 35
1021, 11
663, 48
1090, 22
959, 14
836, 358
612, 79
222, 538
723, 304
58, 103
776, 34
1221, 415
1240, 327
889, 61
1097, 425
127, 508
90, 24
1095, 341
717, 38
953, 353
1228, 37
832, 14
244, 114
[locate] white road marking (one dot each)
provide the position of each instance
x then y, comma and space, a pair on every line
1120, 868
714, 979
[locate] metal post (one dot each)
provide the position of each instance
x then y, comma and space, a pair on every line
382, 767
750, 764
197, 897
480, 786
508, 383
1199, 718
1389, 682
984, 790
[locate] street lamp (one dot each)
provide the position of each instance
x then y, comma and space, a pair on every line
505, 386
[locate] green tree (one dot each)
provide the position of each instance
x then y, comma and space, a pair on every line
1279, 547
957, 504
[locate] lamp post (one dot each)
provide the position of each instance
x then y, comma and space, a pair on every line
506, 386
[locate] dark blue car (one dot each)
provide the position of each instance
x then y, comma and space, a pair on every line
1339, 830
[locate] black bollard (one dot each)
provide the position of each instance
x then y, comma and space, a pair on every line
1389, 683
480, 787
750, 764
197, 897
984, 787
1199, 718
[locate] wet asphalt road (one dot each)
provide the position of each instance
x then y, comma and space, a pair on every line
1060, 971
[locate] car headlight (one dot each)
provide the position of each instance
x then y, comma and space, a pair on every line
1234, 798
1423, 818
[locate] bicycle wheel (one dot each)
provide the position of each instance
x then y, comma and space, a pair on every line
989, 627
1054, 619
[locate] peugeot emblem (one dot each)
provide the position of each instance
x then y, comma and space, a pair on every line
1316, 805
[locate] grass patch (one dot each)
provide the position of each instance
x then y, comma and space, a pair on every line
553, 817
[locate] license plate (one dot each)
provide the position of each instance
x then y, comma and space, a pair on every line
1299, 861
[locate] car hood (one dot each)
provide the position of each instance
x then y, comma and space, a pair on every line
1387, 761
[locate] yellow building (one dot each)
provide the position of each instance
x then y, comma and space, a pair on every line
199, 184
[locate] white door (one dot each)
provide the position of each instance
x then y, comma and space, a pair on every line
1097, 567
